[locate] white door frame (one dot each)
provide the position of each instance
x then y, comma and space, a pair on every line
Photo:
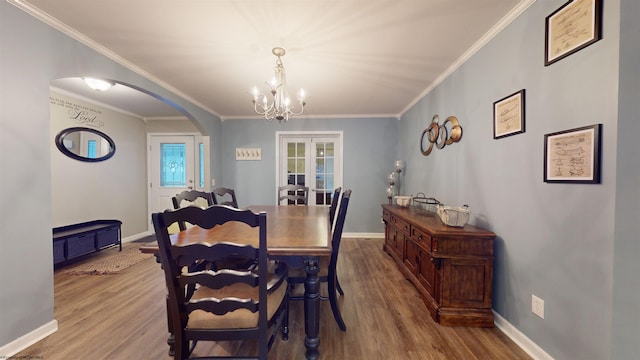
198, 138
296, 134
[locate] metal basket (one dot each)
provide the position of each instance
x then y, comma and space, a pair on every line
424, 205
454, 216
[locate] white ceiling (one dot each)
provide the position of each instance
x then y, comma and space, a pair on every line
354, 58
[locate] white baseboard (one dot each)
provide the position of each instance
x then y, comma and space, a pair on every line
364, 235
520, 339
136, 236
23, 342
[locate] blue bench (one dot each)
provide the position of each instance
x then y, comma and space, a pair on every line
76, 240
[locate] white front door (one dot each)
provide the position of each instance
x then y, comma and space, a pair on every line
313, 160
172, 169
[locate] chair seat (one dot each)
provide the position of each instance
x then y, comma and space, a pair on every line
241, 318
323, 272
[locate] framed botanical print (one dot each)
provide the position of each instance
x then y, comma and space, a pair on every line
573, 156
574, 26
508, 115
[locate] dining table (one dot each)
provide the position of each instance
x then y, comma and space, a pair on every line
297, 235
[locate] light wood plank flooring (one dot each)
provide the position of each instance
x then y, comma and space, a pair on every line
123, 317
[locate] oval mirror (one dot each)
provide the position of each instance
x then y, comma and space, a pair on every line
85, 144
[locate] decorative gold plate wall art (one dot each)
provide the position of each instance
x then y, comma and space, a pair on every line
441, 135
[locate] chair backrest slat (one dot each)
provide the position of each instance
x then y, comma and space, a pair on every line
293, 194
195, 198
336, 236
335, 199
219, 196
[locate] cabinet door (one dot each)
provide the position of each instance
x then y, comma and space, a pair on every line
467, 283
411, 257
388, 241
399, 244
427, 273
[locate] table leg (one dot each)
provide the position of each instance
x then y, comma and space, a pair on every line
312, 308
171, 340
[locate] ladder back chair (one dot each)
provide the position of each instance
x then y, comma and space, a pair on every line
293, 194
328, 265
194, 198
227, 304
230, 200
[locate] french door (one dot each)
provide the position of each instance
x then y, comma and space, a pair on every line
313, 160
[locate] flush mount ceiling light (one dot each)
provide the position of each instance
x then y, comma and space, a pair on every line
98, 84
279, 108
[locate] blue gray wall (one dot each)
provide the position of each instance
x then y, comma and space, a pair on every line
626, 267
369, 148
554, 240
32, 55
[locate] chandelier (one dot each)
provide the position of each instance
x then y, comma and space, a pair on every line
279, 108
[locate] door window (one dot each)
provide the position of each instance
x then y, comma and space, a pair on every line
313, 160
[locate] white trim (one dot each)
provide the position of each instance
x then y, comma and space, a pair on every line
137, 236
23, 342
83, 39
293, 134
531, 348
364, 235
197, 137
495, 30
319, 116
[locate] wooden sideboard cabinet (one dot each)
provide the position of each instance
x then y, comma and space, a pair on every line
451, 267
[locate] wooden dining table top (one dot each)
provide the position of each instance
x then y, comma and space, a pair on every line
291, 231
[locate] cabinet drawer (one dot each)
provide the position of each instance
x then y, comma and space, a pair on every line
107, 237
80, 245
58, 251
402, 225
386, 217
421, 238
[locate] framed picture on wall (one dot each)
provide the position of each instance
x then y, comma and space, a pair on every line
574, 26
508, 115
573, 156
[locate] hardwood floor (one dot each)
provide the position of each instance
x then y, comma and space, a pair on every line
123, 317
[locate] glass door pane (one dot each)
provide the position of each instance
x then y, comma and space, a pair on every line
313, 161
296, 163
173, 172
324, 168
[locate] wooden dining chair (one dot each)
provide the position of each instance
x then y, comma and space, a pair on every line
227, 304
225, 196
328, 266
334, 203
192, 198
293, 194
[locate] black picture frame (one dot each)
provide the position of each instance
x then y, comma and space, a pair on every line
573, 156
509, 115
572, 27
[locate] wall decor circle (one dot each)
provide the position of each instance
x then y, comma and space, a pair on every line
447, 133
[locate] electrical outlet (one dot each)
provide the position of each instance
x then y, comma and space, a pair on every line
537, 306
213, 182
